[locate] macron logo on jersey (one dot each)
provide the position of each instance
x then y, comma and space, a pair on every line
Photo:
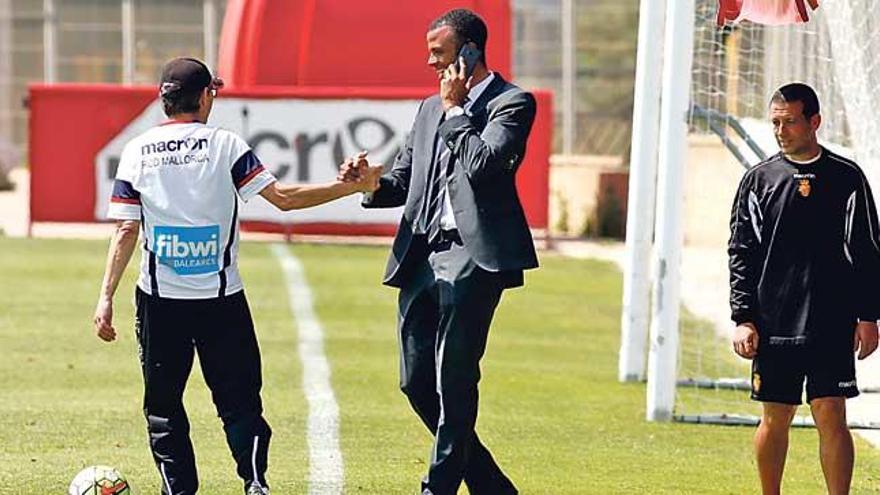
187, 144
188, 250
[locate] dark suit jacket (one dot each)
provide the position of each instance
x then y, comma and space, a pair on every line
486, 150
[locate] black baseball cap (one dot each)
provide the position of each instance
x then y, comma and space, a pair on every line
186, 76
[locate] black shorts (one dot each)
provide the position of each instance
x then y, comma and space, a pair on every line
778, 372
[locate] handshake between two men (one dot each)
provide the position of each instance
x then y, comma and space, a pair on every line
358, 172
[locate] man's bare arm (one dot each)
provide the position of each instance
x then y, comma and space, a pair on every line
288, 197
122, 245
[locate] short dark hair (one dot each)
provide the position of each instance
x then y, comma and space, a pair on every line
181, 103
467, 26
798, 92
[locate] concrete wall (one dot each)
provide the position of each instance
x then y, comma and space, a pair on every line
711, 179
574, 183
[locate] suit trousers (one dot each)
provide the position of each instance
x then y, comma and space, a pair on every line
169, 332
446, 306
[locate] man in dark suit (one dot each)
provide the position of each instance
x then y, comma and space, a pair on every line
462, 240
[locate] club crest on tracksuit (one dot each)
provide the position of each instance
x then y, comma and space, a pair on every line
804, 187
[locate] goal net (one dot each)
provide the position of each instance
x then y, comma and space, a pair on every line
735, 70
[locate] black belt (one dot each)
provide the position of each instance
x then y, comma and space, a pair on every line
445, 238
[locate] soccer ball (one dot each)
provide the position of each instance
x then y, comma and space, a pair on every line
99, 480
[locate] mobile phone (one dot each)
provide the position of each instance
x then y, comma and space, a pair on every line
471, 55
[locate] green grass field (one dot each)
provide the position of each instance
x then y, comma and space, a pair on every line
551, 411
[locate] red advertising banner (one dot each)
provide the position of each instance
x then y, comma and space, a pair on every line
301, 134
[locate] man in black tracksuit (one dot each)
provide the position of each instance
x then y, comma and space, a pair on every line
804, 254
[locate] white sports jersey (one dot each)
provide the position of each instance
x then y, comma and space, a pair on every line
180, 180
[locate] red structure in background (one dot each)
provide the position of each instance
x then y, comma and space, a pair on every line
345, 43
306, 49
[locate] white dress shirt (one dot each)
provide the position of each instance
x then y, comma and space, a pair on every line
447, 219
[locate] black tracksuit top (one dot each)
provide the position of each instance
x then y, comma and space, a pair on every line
804, 255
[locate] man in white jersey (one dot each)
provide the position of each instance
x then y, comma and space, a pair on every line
178, 183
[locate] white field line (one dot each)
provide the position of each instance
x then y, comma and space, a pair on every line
325, 458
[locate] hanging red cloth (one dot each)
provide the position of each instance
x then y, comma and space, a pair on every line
769, 12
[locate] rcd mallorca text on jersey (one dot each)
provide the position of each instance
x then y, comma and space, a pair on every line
178, 152
188, 250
